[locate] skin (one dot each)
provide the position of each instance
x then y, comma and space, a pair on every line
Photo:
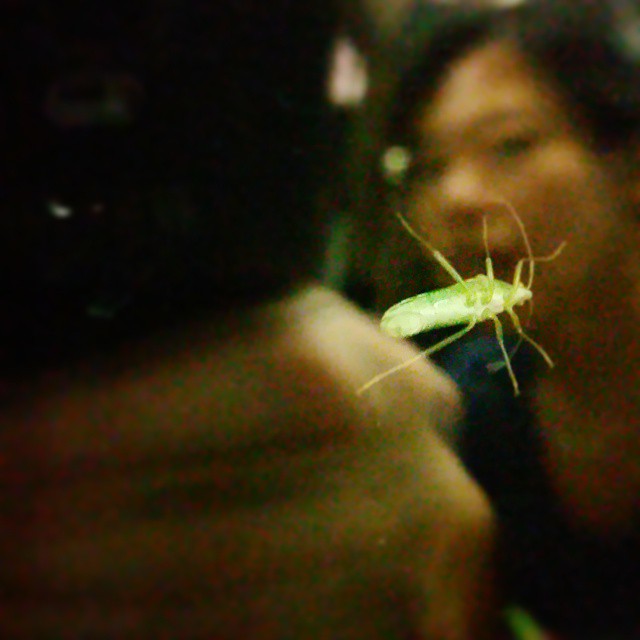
185, 487
497, 130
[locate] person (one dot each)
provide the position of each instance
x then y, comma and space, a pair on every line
183, 451
534, 109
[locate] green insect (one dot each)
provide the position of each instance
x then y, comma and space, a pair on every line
467, 302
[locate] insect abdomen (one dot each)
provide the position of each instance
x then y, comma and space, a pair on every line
443, 308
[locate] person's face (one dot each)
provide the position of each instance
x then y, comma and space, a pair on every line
494, 133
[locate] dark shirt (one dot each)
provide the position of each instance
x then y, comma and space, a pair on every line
571, 581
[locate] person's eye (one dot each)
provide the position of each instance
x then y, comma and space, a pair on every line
514, 146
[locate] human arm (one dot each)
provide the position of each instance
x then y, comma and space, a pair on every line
243, 491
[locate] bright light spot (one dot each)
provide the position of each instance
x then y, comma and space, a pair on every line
395, 162
60, 211
348, 76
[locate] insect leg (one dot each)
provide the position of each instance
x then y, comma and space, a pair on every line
442, 261
552, 256
505, 355
488, 261
518, 272
420, 356
529, 339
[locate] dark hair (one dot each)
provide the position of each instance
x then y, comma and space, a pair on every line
590, 51
194, 188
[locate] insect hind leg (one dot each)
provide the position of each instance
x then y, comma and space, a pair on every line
417, 358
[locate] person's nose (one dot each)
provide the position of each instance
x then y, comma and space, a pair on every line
464, 196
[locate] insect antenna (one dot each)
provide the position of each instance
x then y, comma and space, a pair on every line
552, 256
517, 282
531, 261
527, 244
516, 320
530, 258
